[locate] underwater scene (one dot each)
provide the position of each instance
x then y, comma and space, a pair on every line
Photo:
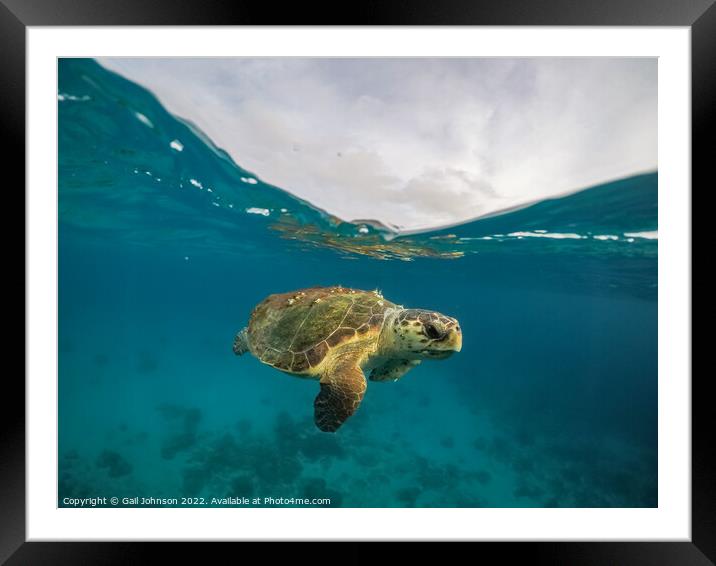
166, 245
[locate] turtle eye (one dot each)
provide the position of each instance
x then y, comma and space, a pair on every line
432, 331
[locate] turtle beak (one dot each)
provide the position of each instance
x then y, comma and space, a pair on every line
451, 341
455, 339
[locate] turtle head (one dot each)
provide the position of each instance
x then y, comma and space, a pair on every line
423, 334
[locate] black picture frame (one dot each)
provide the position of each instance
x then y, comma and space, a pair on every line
17, 15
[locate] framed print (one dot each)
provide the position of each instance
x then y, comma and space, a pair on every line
427, 278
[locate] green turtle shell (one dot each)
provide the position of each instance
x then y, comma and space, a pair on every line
295, 331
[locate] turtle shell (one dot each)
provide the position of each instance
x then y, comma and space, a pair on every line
294, 331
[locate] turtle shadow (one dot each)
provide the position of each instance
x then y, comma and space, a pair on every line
147, 362
183, 425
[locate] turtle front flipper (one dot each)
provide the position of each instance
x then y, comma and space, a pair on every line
393, 370
342, 389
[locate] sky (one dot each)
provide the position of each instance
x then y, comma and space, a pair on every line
417, 143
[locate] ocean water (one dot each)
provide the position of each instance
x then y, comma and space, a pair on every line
165, 246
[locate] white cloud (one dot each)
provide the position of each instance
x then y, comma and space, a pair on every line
417, 142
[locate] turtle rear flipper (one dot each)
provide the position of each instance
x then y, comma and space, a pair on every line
342, 390
241, 343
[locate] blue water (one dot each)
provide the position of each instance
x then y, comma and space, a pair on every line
163, 254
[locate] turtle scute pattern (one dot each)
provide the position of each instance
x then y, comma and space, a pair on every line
294, 331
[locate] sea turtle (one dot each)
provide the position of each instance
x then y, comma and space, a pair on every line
334, 334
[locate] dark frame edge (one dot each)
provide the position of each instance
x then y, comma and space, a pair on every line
700, 551
12, 416
703, 475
